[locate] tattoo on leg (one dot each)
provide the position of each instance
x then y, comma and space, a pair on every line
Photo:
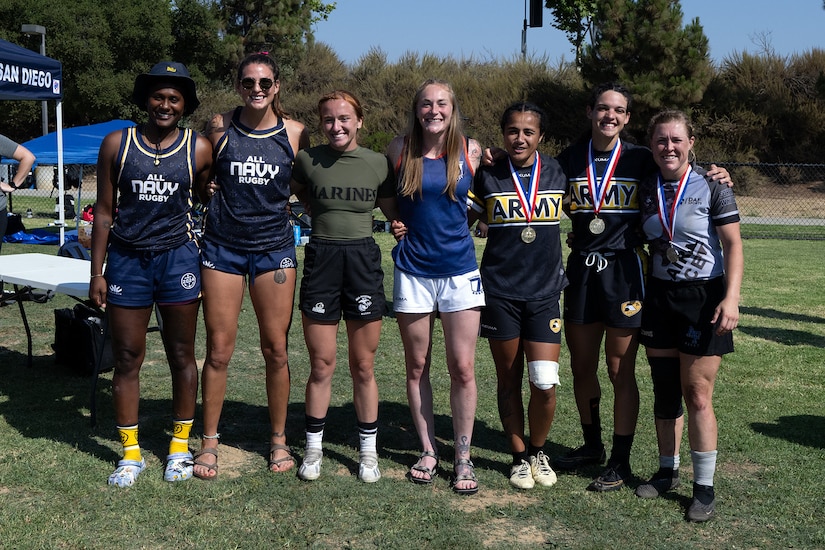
279, 434
280, 276
464, 446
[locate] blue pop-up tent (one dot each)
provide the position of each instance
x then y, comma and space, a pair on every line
80, 144
27, 75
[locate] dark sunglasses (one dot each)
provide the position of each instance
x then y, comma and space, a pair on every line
264, 83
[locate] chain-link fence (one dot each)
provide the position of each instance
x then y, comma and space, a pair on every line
775, 200
784, 201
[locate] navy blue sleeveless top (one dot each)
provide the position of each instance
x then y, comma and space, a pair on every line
154, 207
253, 169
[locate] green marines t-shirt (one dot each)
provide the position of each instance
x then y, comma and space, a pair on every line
343, 187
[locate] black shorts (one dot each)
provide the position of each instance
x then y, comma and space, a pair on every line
606, 287
677, 315
342, 277
532, 320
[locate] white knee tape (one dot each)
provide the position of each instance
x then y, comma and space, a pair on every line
543, 374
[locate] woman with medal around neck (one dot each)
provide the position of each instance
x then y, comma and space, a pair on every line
436, 272
606, 270
144, 232
520, 199
249, 242
692, 304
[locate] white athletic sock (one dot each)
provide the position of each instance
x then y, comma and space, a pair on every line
704, 466
367, 439
315, 439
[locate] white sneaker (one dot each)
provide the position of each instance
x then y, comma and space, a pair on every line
311, 466
541, 470
368, 471
521, 477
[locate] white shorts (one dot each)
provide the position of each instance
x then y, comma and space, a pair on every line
414, 294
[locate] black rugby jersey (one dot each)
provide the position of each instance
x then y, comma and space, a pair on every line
510, 267
253, 169
620, 211
154, 207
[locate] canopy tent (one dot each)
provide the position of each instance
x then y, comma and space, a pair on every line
27, 75
80, 144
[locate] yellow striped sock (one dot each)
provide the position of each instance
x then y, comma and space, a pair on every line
129, 440
180, 436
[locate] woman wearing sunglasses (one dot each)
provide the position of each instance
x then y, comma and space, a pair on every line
247, 236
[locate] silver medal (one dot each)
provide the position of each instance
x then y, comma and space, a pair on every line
528, 234
672, 255
596, 226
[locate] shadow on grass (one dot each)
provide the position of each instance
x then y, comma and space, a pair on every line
788, 337
803, 429
49, 402
782, 315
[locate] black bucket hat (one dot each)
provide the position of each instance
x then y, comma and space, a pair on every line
173, 73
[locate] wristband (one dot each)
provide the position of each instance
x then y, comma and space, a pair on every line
98, 275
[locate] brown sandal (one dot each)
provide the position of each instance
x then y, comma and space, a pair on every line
418, 467
278, 461
210, 467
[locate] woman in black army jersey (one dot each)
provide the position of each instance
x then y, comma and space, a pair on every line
520, 199
248, 238
143, 230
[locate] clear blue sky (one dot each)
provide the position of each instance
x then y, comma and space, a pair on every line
491, 29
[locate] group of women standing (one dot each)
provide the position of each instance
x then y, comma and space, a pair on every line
425, 184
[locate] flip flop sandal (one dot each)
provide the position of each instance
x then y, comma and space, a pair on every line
431, 472
127, 472
471, 476
178, 467
278, 461
210, 467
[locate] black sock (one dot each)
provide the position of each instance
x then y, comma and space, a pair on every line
703, 493
315, 425
518, 457
621, 449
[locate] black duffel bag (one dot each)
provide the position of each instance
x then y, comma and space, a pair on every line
81, 341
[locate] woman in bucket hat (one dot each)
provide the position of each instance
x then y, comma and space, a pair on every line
147, 178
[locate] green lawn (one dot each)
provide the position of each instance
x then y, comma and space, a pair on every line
53, 466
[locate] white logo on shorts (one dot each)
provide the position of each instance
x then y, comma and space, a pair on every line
319, 308
364, 303
188, 281
287, 263
115, 289
208, 264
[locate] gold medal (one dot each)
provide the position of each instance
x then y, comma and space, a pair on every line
528, 234
596, 226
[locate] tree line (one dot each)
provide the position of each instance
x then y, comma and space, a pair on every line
749, 108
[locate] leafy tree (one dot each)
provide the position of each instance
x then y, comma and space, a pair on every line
643, 44
198, 40
282, 27
575, 19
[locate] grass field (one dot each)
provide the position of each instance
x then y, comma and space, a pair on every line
769, 401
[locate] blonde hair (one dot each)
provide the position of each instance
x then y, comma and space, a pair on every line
672, 115
412, 161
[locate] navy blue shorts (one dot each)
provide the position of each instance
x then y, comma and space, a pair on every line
229, 260
531, 320
343, 277
605, 288
677, 316
138, 278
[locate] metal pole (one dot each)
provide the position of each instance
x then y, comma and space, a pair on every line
41, 30
524, 34
43, 105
